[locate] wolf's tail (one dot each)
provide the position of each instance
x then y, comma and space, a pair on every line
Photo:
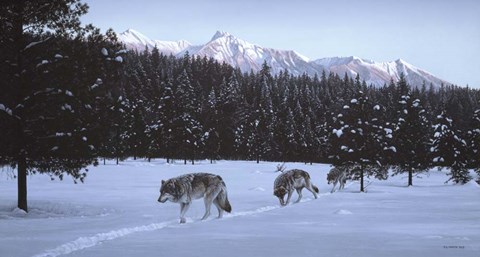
222, 199
308, 179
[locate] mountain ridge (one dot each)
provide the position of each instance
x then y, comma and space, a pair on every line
225, 47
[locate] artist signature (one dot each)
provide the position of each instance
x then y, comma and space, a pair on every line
453, 247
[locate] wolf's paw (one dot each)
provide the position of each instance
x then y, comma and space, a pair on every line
183, 220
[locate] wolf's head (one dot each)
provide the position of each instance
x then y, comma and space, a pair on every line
330, 177
280, 192
168, 191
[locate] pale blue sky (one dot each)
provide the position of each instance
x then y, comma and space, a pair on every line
442, 37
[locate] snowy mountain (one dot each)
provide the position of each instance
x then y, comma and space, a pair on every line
247, 56
378, 73
227, 48
136, 40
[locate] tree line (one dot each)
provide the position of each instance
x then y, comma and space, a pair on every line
71, 96
195, 108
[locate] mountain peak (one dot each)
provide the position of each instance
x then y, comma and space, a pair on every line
220, 34
239, 53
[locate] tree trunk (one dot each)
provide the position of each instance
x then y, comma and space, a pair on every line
22, 183
362, 189
410, 178
19, 43
117, 160
104, 160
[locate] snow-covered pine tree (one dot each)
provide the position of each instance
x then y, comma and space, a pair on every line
267, 118
411, 138
212, 124
164, 139
449, 150
474, 147
359, 140
227, 102
53, 72
474, 143
190, 132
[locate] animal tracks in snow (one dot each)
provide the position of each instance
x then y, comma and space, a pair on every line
87, 242
91, 241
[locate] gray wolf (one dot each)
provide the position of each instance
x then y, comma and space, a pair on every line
337, 175
296, 179
185, 188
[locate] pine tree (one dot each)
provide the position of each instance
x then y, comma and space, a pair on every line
474, 142
52, 78
449, 150
212, 125
190, 133
411, 138
359, 140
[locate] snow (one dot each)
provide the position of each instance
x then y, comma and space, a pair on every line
343, 212
104, 52
43, 63
66, 107
32, 44
6, 109
123, 51
338, 132
136, 40
391, 148
116, 213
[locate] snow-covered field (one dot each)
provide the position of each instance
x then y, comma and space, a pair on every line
116, 213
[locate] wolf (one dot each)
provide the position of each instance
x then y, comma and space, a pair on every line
337, 175
183, 189
296, 179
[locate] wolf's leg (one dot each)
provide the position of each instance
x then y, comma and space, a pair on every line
208, 205
344, 181
334, 185
299, 192
289, 196
210, 196
219, 208
183, 210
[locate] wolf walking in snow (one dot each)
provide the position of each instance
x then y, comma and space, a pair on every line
185, 188
337, 175
296, 179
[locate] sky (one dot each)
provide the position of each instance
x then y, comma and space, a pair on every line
441, 37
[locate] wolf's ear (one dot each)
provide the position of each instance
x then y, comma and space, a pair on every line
163, 182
